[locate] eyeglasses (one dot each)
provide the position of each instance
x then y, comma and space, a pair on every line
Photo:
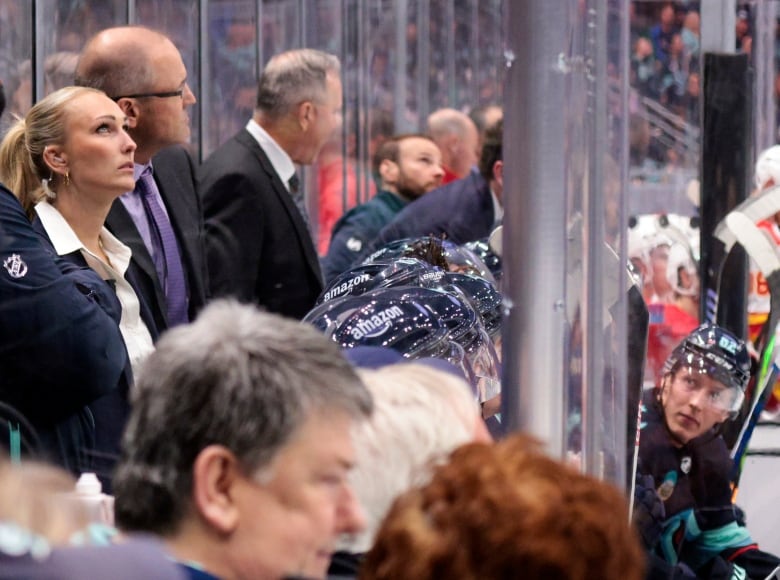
165, 95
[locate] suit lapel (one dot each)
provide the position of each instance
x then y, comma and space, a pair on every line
304, 236
184, 211
121, 225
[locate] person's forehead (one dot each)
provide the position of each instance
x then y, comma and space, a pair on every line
417, 145
702, 375
166, 62
322, 439
88, 107
333, 86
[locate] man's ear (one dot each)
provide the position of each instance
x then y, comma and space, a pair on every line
56, 159
214, 475
452, 144
498, 171
131, 109
388, 171
498, 177
305, 115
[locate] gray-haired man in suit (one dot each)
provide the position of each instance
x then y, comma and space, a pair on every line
258, 245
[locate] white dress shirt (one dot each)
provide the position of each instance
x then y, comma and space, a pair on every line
281, 162
137, 338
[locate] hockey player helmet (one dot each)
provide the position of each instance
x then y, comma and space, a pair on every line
715, 351
380, 274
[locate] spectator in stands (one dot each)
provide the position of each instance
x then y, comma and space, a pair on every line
464, 210
645, 70
457, 137
160, 217
409, 166
258, 244
420, 415
239, 446
70, 158
691, 34
691, 99
661, 34
675, 75
505, 511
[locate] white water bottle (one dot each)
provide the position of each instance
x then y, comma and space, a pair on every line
99, 506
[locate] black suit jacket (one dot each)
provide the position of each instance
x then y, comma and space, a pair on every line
257, 245
174, 173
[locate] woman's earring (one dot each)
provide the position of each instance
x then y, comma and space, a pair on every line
47, 190
67, 178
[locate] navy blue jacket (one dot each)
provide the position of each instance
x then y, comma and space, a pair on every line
111, 411
462, 209
356, 229
60, 346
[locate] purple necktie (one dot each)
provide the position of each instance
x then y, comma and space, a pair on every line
167, 260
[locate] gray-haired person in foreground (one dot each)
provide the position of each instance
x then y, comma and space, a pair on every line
239, 445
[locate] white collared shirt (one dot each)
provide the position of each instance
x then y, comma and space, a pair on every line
498, 209
134, 332
281, 162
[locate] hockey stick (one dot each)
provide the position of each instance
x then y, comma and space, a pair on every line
756, 209
767, 377
764, 253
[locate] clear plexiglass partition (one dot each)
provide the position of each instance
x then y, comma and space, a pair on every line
600, 131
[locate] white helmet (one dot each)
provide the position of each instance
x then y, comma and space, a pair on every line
768, 167
680, 258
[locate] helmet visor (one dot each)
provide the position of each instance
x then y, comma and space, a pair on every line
723, 394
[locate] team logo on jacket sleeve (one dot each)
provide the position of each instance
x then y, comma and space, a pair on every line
15, 266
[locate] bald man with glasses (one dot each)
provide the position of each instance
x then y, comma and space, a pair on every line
160, 219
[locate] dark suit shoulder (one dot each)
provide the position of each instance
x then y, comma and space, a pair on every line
459, 209
257, 244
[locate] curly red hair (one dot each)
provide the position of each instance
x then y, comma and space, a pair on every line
507, 511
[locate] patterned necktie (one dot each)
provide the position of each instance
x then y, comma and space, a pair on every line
295, 191
167, 260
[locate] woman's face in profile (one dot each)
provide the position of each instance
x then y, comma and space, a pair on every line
98, 151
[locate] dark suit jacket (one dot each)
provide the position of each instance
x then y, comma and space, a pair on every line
174, 173
257, 245
462, 209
